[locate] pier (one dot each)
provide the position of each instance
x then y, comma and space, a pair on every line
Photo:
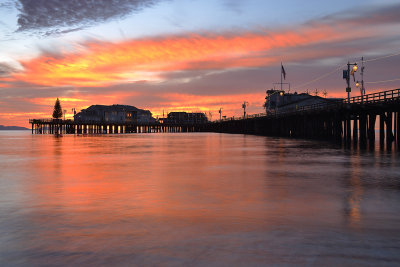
354, 121
58, 126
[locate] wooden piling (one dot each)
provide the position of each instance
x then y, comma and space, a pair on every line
389, 133
382, 119
355, 130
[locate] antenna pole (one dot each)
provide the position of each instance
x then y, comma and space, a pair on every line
362, 80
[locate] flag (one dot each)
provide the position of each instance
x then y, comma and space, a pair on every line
283, 72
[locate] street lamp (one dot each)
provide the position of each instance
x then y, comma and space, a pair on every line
346, 75
244, 105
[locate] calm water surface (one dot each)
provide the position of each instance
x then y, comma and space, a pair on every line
195, 200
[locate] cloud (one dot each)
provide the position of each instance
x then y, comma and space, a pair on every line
154, 59
202, 71
387, 14
39, 14
6, 69
105, 63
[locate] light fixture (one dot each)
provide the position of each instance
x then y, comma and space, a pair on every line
357, 84
281, 93
355, 67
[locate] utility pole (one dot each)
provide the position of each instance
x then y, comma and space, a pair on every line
348, 89
362, 80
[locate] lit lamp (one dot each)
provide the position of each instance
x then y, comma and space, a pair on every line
281, 93
346, 75
357, 84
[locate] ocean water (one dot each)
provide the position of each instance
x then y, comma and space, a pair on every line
195, 199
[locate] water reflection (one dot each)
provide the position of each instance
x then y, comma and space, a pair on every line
187, 199
352, 209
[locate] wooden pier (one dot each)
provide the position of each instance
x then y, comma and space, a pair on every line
351, 121
58, 126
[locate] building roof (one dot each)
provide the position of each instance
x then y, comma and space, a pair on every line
316, 98
115, 107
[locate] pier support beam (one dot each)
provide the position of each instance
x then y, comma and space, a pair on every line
371, 129
389, 133
382, 119
355, 130
363, 129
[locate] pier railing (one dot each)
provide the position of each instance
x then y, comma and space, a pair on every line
389, 95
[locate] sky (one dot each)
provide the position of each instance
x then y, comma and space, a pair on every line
194, 56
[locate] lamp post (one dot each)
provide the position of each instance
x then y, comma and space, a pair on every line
346, 75
244, 105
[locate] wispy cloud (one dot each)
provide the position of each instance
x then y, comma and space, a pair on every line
103, 63
198, 71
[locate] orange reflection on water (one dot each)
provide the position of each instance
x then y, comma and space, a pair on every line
157, 198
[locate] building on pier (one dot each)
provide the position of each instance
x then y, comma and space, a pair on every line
186, 118
114, 114
279, 100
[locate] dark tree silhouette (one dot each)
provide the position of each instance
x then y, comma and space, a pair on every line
57, 113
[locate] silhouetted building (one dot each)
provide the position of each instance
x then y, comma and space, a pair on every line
186, 118
114, 114
282, 101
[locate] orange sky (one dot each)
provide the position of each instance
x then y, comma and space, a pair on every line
192, 71
104, 63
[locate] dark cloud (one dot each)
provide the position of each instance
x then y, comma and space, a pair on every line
6, 69
39, 14
364, 16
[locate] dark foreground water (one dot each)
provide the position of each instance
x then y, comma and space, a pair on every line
195, 200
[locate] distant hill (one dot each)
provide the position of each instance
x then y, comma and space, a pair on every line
2, 127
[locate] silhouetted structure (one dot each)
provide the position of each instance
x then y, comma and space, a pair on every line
114, 114
279, 100
352, 121
186, 118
